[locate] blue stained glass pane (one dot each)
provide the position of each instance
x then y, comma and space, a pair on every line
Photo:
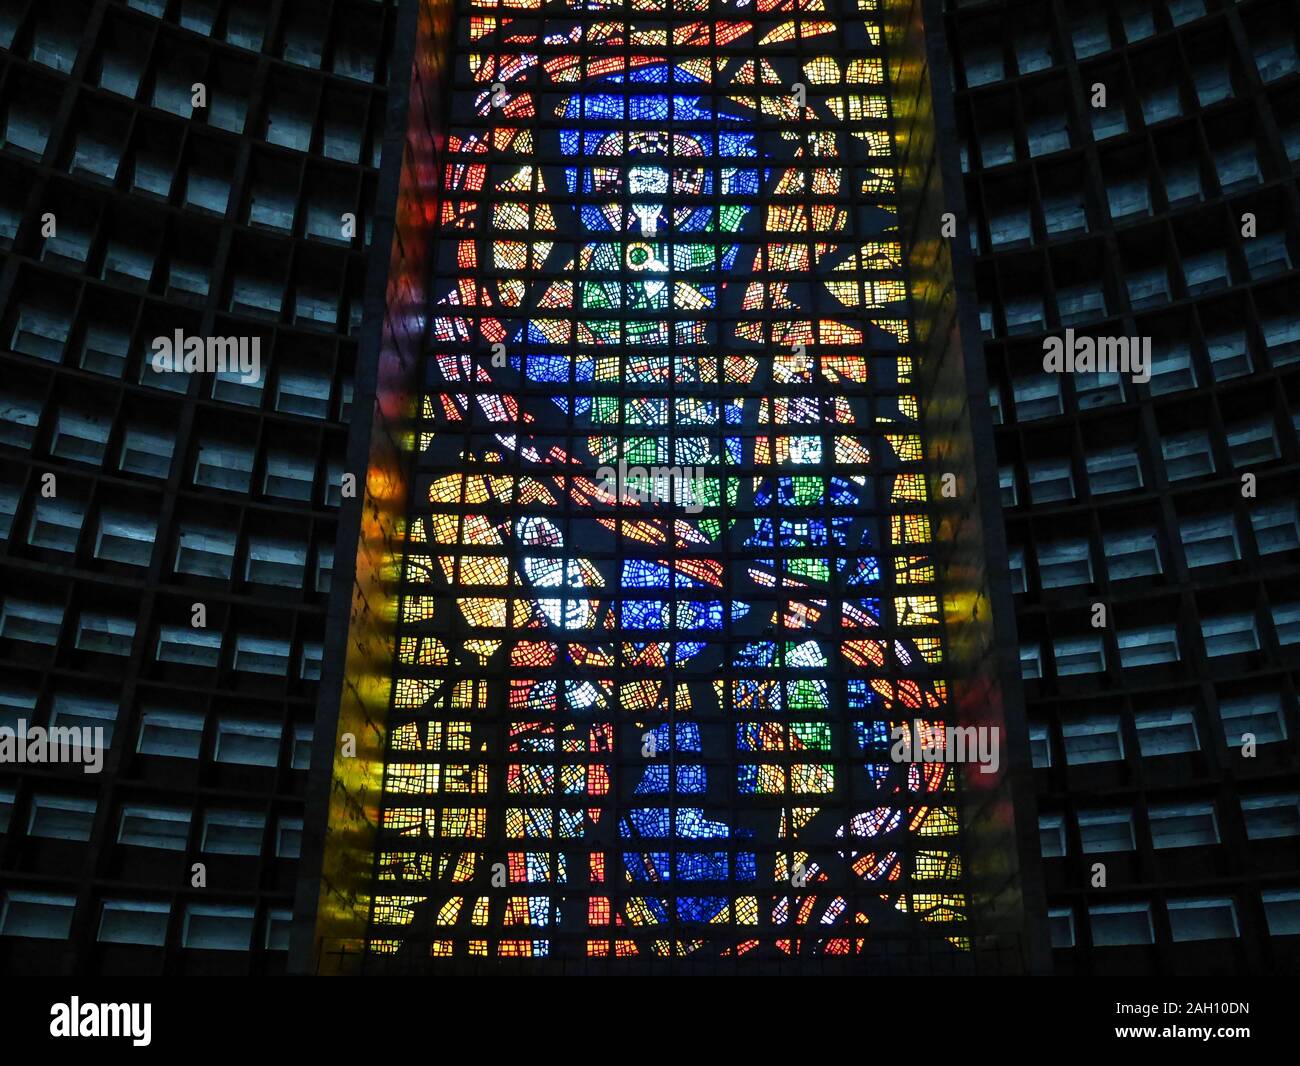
658, 75
647, 108
593, 218
642, 573
645, 614
597, 106
737, 145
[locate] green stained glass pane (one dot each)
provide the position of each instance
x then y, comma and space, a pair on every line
808, 490
813, 569
813, 735
731, 216
804, 696
596, 296
640, 450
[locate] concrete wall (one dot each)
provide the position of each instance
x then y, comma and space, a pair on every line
1000, 831
333, 902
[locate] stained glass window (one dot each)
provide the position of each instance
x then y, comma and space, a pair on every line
666, 589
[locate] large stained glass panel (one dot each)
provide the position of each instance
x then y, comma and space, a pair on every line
667, 587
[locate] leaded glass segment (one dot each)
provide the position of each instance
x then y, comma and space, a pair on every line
667, 583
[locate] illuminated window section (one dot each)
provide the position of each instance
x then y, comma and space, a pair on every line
666, 589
